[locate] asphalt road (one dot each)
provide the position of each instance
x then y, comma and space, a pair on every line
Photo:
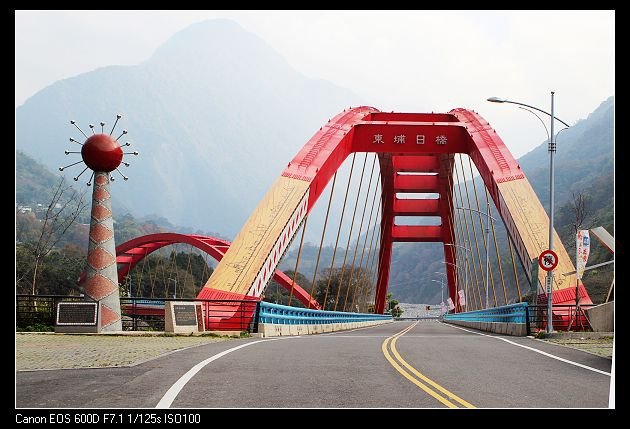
443, 366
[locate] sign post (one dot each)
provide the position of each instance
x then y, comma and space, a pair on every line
582, 250
548, 260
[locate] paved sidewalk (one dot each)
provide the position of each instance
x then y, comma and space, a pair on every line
57, 351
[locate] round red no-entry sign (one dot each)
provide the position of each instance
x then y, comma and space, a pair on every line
548, 260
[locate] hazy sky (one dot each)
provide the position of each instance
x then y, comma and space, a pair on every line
396, 60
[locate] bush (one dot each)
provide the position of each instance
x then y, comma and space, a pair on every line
36, 327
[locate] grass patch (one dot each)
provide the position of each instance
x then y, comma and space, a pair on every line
211, 334
36, 327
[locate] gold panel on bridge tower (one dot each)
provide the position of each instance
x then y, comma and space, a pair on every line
532, 223
242, 263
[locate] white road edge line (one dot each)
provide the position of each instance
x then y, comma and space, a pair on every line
172, 393
534, 350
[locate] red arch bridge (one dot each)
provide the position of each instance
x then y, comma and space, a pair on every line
420, 168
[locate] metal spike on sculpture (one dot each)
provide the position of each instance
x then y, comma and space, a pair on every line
102, 154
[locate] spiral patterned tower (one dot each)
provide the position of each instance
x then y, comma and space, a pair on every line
102, 154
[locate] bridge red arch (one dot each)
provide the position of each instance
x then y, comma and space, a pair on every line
128, 254
424, 143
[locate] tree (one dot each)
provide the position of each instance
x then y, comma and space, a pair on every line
276, 294
580, 212
60, 214
159, 273
343, 294
578, 206
393, 306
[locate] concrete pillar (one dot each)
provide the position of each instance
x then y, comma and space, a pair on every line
101, 274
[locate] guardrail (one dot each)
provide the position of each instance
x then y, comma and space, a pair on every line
513, 313
566, 317
285, 315
138, 313
38, 311
142, 314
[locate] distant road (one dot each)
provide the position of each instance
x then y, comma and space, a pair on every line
423, 364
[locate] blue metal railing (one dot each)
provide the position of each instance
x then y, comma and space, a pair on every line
285, 315
513, 313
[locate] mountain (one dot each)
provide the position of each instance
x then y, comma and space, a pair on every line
34, 183
215, 113
584, 154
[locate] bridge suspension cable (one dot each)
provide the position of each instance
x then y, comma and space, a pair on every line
297, 260
481, 228
368, 276
321, 242
518, 288
464, 230
473, 254
456, 255
358, 282
504, 284
496, 246
354, 213
140, 287
188, 269
343, 210
459, 259
491, 278
459, 237
356, 247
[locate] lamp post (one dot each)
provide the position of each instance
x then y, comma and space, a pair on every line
454, 265
441, 282
174, 280
465, 268
552, 149
488, 217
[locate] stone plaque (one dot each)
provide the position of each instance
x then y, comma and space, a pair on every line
185, 314
77, 313
182, 317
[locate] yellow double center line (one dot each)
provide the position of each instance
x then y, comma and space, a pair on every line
423, 382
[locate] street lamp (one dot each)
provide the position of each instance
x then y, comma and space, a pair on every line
488, 217
456, 267
174, 280
465, 269
552, 149
441, 282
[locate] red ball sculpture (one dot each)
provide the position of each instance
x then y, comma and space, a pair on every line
101, 152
